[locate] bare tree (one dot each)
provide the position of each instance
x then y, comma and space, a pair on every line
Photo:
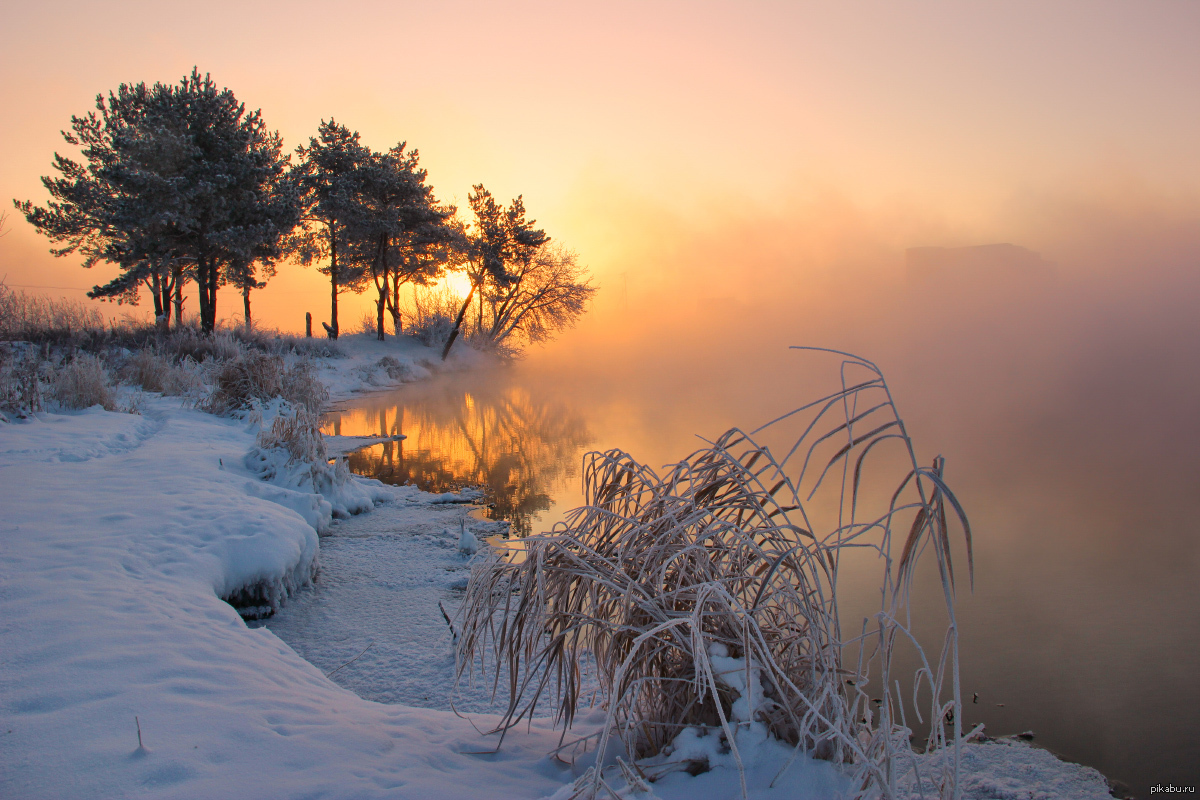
502, 242
545, 295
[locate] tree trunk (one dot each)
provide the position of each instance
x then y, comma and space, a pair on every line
246, 306
205, 297
308, 324
381, 290
212, 297
393, 306
379, 306
162, 322
166, 285
177, 280
331, 330
397, 323
458, 323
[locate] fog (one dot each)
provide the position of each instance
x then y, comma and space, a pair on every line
1064, 396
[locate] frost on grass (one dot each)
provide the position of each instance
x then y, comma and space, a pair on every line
84, 382
21, 391
252, 377
155, 372
709, 599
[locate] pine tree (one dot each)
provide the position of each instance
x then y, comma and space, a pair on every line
401, 234
114, 207
330, 176
179, 182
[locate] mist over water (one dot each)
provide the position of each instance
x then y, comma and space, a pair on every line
1066, 405
1064, 398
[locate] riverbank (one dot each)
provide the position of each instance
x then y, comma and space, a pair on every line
123, 673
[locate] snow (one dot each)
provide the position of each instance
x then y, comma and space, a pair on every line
467, 543
371, 365
121, 533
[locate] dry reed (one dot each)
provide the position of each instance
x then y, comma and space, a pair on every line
299, 433
734, 552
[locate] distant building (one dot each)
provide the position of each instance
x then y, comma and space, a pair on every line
984, 263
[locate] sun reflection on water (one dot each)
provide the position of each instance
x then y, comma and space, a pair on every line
477, 430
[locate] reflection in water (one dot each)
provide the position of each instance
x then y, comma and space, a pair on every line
480, 429
1066, 408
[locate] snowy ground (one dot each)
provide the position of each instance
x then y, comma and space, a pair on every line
375, 615
121, 533
371, 365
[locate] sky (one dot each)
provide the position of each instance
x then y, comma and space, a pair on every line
743, 176
750, 144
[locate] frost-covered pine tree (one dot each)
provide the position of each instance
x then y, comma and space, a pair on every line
330, 176
402, 234
178, 182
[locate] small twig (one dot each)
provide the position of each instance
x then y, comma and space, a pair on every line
139, 730
351, 661
445, 616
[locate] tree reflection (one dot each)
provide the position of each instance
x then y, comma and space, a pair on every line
473, 430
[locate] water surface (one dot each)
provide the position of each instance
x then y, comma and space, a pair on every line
1067, 415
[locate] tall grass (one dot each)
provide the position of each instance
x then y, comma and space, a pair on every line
299, 433
30, 317
710, 598
63, 350
430, 318
20, 381
84, 382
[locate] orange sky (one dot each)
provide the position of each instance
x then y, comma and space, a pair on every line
787, 136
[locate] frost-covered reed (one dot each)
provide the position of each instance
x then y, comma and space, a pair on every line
733, 557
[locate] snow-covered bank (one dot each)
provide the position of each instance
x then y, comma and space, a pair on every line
120, 533
368, 364
119, 536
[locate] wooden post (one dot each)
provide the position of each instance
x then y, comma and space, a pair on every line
308, 324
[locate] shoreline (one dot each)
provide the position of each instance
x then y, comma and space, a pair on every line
124, 532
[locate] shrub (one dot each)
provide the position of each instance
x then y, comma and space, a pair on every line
301, 386
306, 347
20, 385
709, 597
240, 382
269, 340
366, 325
431, 318
432, 330
83, 383
155, 373
254, 377
396, 370
299, 433
149, 370
190, 342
